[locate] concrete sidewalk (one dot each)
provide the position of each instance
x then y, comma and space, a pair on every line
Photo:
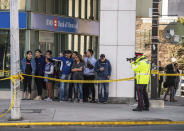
40, 111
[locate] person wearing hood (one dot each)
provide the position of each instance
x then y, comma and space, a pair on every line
141, 67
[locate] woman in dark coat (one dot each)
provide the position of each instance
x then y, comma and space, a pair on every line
170, 82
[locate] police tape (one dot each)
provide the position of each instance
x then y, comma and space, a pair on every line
12, 104
20, 77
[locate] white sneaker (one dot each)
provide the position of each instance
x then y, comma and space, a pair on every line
38, 98
49, 99
46, 99
81, 101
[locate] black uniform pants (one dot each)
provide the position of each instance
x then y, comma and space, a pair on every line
88, 87
143, 101
27, 84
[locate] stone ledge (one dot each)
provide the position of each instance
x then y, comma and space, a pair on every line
121, 100
157, 104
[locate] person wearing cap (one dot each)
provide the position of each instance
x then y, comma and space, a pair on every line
89, 74
171, 80
65, 71
103, 69
141, 67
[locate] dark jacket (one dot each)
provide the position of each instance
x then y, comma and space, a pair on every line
40, 66
170, 80
23, 66
107, 69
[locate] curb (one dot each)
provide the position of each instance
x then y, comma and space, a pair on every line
113, 123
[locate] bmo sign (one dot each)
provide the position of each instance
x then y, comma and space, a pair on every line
53, 23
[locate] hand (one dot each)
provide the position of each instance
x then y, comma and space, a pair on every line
102, 69
131, 61
74, 70
108, 77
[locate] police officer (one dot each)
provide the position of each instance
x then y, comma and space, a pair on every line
141, 67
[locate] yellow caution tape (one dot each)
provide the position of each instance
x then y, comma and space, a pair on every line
20, 77
80, 81
12, 103
13, 78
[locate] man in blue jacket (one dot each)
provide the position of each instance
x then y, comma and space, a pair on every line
103, 69
28, 67
66, 71
40, 68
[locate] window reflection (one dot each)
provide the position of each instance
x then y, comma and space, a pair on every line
76, 8
70, 8
70, 42
75, 42
82, 45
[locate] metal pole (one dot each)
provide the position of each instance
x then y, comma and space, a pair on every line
15, 59
154, 50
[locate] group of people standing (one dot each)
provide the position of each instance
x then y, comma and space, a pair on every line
68, 66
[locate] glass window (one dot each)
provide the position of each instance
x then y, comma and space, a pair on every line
56, 6
88, 9
87, 42
69, 42
97, 9
75, 42
82, 45
83, 9
64, 5
49, 6
94, 8
70, 8
41, 5
76, 8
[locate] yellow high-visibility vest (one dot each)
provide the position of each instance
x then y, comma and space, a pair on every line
141, 67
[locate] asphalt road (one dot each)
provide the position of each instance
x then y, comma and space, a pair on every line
124, 128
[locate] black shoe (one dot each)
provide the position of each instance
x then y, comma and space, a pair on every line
92, 101
145, 109
137, 109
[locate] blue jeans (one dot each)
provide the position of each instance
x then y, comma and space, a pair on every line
106, 92
78, 86
64, 88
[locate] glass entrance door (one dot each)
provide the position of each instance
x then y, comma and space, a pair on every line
45, 46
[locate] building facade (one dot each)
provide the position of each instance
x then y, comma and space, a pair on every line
106, 26
54, 25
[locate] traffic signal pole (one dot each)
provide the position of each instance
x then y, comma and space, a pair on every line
154, 49
15, 59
